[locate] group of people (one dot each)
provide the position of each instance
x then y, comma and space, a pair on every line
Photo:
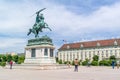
117, 63
76, 63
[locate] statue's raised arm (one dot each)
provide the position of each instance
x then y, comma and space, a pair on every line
40, 10
38, 16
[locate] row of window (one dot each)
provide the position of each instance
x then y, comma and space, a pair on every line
116, 50
73, 55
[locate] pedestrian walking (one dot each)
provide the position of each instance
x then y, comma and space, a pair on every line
113, 64
89, 63
68, 63
11, 64
76, 65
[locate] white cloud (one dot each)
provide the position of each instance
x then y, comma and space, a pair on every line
105, 19
16, 19
11, 42
12, 45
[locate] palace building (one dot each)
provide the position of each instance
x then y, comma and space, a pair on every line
86, 50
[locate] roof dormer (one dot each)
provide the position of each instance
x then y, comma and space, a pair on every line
115, 43
68, 47
81, 46
98, 44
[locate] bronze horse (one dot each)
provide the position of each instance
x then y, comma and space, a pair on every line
39, 24
38, 28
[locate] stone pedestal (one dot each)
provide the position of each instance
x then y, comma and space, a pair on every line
40, 51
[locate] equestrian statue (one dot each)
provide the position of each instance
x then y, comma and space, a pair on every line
39, 24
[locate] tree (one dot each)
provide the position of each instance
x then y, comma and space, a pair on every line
112, 57
0, 57
3, 64
4, 58
94, 63
105, 63
21, 59
73, 62
84, 63
56, 59
9, 57
15, 58
95, 58
60, 61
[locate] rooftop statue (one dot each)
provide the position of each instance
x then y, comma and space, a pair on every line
39, 24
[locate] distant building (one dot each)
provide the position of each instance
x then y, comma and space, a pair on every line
11, 53
86, 50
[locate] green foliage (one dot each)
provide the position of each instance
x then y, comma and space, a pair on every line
84, 63
9, 57
87, 59
105, 63
15, 58
60, 61
68, 62
3, 64
56, 59
80, 62
95, 58
4, 58
19, 62
73, 62
21, 59
112, 57
65, 62
102, 62
94, 63
110, 62
0, 57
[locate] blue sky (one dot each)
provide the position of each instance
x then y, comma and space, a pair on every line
70, 20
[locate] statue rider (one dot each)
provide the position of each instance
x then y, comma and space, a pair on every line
39, 24
37, 17
39, 20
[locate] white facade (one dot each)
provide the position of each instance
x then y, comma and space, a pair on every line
82, 53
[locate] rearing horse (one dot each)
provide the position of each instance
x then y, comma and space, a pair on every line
38, 28
39, 24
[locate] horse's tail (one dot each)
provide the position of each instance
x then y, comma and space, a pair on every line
47, 26
49, 29
29, 32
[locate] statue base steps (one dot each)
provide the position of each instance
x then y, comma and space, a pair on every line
39, 66
40, 61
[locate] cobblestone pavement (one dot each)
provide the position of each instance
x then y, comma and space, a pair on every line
84, 73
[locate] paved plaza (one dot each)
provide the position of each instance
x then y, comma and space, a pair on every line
84, 73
